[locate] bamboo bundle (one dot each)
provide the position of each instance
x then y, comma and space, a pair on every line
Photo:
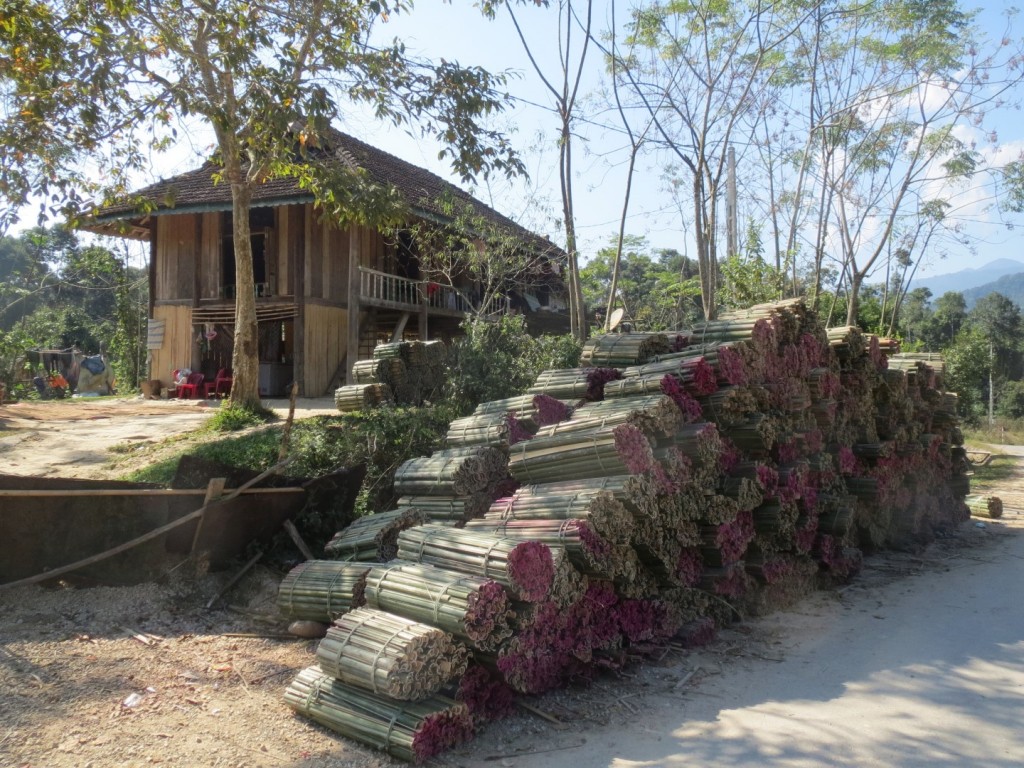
729, 405
485, 694
410, 731
525, 568
588, 551
617, 350
485, 429
448, 508
701, 443
755, 436
572, 456
654, 415
694, 375
390, 655
373, 537
985, 506
466, 606
541, 410
746, 492
608, 515
723, 358
725, 543
359, 397
847, 341
322, 590
574, 383
394, 350
368, 372
453, 472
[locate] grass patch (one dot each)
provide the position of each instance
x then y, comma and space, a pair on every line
232, 417
1001, 468
1002, 432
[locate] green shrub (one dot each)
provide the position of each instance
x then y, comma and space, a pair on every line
232, 417
500, 359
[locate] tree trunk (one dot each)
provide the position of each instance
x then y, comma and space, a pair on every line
245, 363
853, 303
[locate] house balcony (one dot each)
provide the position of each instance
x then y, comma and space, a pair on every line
379, 289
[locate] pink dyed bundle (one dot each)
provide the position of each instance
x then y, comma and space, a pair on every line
516, 431
550, 410
597, 378
687, 404
486, 696
531, 569
731, 368
698, 633
689, 567
441, 732
633, 448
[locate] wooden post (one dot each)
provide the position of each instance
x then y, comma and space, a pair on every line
214, 490
354, 251
424, 312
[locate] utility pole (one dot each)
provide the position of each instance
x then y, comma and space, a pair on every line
732, 227
991, 391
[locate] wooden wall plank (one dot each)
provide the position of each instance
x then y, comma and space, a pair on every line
209, 257
177, 350
325, 334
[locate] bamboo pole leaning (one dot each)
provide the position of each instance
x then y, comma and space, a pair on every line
410, 731
390, 655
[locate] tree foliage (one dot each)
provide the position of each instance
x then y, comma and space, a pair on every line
91, 88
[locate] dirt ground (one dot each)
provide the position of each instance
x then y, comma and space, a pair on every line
917, 662
75, 437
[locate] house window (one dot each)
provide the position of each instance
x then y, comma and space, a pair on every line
261, 221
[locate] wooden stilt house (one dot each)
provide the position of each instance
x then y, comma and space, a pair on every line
325, 295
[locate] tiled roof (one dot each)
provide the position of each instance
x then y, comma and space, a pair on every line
419, 187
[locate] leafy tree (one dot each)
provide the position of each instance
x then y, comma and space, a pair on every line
967, 366
1011, 400
92, 87
949, 317
657, 291
499, 359
998, 321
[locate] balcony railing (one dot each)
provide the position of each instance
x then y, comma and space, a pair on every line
383, 289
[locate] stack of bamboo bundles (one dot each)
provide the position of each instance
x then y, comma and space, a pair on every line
359, 397
322, 590
757, 461
410, 731
390, 655
374, 537
412, 371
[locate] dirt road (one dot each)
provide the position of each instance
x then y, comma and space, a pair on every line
73, 438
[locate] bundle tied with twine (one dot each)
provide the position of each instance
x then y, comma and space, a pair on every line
322, 590
390, 655
525, 568
358, 397
469, 607
452, 472
410, 731
374, 538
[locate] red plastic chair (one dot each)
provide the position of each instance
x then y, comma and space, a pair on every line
221, 385
190, 389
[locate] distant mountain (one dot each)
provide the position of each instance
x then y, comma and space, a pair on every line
1011, 286
967, 279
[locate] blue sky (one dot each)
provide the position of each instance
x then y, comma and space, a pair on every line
457, 31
